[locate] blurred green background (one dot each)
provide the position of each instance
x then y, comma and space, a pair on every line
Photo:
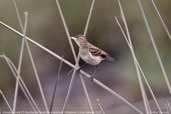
45, 27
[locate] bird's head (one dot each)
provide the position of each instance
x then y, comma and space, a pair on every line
80, 40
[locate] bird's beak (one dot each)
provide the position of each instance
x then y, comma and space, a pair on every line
73, 38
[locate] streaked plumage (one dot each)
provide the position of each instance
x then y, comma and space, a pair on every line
90, 53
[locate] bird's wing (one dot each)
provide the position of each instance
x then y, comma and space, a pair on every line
95, 51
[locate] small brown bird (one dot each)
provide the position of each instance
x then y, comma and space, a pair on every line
90, 53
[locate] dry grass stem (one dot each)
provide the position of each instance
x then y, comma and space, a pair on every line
154, 46
66, 30
89, 17
19, 65
23, 28
55, 87
143, 93
87, 94
6, 101
21, 84
161, 19
72, 48
71, 65
145, 79
100, 106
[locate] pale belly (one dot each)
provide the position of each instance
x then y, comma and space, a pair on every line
88, 58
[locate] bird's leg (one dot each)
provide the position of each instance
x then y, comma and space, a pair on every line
93, 74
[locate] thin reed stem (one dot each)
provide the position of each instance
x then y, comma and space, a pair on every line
100, 106
36, 75
72, 48
55, 87
37, 44
22, 84
19, 64
74, 54
66, 30
6, 101
21, 53
161, 19
30, 55
145, 79
85, 33
89, 17
69, 90
154, 46
143, 93
86, 93
169, 107
149, 87
71, 65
